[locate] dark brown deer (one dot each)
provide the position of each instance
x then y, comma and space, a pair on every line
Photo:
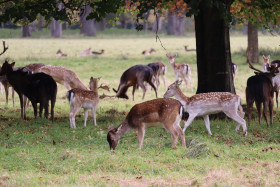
135, 76
158, 112
38, 88
260, 90
98, 53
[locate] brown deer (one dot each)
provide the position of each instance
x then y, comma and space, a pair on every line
158, 112
60, 53
98, 53
147, 53
181, 70
34, 67
135, 76
160, 70
86, 99
86, 52
204, 104
63, 76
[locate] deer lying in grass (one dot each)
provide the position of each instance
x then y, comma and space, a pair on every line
98, 53
209, 103
86, 52
160, 70
181, 70
86, 99
147, 53
63, 76
158, 112
38, 88
135, 76
60, 53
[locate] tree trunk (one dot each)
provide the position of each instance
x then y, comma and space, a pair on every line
253, 44
56, 29
40, 23
100, 26
146, 24
213, 51
171, 23
180, 25
87, 26
26, 31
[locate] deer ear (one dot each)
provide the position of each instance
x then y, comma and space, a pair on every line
111, 127
263, 57
99, 78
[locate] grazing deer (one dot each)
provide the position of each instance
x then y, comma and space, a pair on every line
180, 70
60, 53
158, 112
86, 99
159, 69
204, 104
34, 67
146, 52
63, 76
260, 90
86, 52
135, 76
98, 53
38, 88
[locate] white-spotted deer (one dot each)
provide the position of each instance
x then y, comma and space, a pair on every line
63, 76
181, 71
86, 99
164, 112
160, 70
209, 103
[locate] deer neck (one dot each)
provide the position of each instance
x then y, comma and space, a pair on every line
123, 128
181, 97
173, 65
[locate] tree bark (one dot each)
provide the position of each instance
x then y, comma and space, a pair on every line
87, 26
157, 24
100, 26
26, 31
171, 23
180, 25
253, 44
56, 29
40, 23
146, 24
213, 51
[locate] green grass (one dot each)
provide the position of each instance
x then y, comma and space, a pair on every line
39, 152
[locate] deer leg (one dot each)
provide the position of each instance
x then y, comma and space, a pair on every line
40, 110
85, 116
207, 124
259, 110
180, 131
72, 115
189, 121
6, 93
34, 104
46, 106
163, 79
153, 88
141, 84
140, 135
234, 115
93, 111
265, 106
271, 110
133, 91
174, 132
185, 81
277, 92
13, 96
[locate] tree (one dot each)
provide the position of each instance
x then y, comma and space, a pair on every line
252, 51
56, 29
87, 26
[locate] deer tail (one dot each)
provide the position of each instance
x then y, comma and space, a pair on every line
70, 95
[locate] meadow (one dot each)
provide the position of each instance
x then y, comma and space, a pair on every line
39, 152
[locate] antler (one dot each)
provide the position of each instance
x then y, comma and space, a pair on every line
5, 48
253, 68
105, 87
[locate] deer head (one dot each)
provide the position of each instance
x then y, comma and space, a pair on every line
112, 137
7, 68
171, 88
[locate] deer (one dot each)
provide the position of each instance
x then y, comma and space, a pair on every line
63, 76
34, 67
98, 53
86, 99
260, 89
164, 112
147, 52
204, 104
160, 70
135, 76
181, 70
60, 53
38, 88
86, 52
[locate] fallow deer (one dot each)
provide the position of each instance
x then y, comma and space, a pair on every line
98, 53
146, 52
86, 52
34, 67
63, 76
86, 99
159, 72
181, 70
135, 76
60, 53
164, 112
204, 104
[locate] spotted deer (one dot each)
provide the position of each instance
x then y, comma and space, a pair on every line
63, 76
181, 70
204, 104
164, 112
86, 99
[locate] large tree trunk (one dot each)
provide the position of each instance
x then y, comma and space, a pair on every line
253, 44
213, 51
56, 29
146, 24
87, 26
26, 31
40, 23
171, 23
100, 26
180, 25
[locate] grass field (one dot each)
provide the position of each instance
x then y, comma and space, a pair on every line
39, 152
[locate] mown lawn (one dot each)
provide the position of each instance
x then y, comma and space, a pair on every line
39, 152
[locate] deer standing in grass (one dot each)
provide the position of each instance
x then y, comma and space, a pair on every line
181, 71
86, 99
159, 69
209, 103
63, 76
165, 112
